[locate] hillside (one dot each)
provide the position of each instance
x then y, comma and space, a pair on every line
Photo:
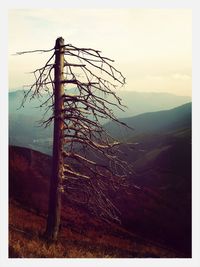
154, 204
155, 214
82, 235
162, 170
152, 122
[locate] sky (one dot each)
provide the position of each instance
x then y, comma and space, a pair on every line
151, 47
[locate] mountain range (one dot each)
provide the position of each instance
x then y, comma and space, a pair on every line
24, 129
135, 102
152, 122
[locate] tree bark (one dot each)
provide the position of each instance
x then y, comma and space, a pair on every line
54, 209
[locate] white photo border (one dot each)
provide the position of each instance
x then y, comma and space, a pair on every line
4, 260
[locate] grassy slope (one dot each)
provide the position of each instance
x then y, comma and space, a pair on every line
82, 235
152, 122
94, 241
161, 208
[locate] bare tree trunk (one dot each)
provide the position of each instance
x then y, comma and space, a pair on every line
81, 113
53, 220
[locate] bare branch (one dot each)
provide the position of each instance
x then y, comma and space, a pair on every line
91, 161
34, 51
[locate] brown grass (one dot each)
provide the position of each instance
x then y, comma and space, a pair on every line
26, 241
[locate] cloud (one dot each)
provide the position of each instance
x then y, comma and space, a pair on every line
181, 76
174, 76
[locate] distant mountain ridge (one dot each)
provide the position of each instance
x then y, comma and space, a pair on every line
142, 102
24, 127
136, 102
152, 122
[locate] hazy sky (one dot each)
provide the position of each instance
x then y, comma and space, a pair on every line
152, 47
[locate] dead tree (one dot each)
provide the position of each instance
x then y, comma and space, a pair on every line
85, 157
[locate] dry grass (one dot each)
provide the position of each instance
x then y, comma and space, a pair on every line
35, 247
26, 241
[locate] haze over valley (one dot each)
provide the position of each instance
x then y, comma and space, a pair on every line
24, 122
